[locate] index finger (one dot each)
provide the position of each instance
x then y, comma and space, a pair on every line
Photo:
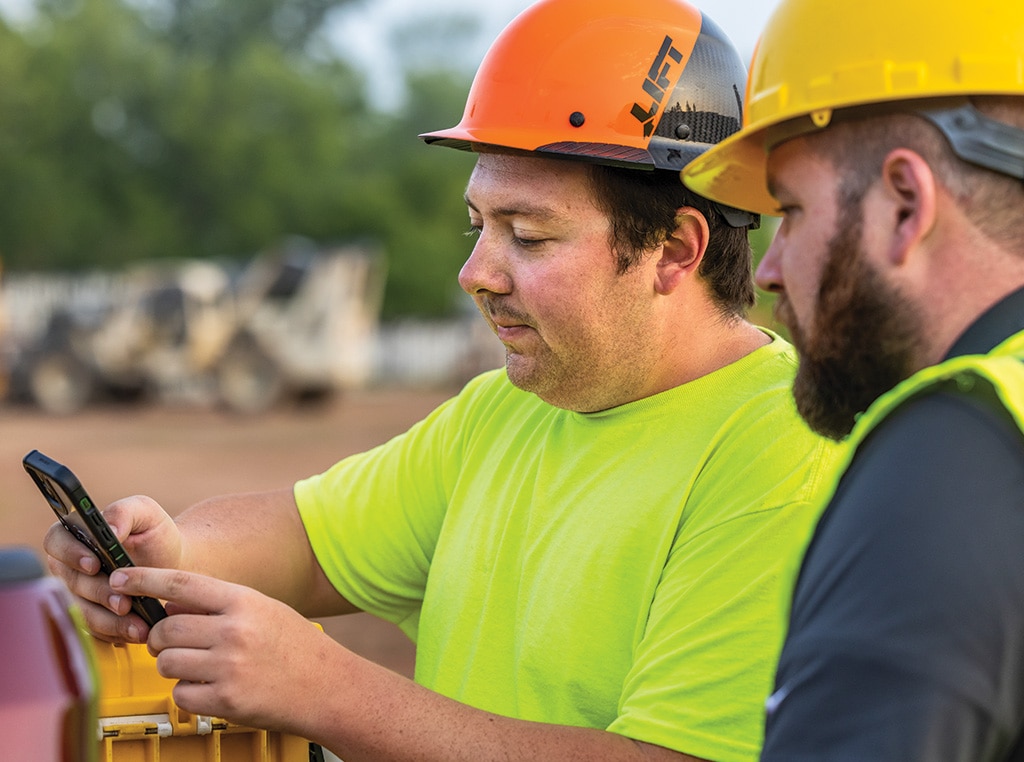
196, 592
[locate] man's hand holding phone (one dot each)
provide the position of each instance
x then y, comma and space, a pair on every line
149, 536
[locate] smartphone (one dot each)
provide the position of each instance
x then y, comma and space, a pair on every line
80, 516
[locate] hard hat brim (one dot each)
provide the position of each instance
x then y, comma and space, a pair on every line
734, 173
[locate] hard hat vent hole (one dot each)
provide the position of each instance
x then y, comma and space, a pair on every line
683, 131
576, 119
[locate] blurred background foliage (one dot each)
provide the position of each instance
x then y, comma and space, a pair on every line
135, 130
155, 129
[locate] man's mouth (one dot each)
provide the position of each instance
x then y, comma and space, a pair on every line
510, 334
783, 311
506, 322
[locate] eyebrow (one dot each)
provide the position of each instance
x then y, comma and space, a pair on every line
538, 213
775, 187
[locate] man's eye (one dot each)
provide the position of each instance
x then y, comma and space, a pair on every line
474, 230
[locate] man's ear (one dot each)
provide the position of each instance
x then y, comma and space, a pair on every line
910, 188
682, 253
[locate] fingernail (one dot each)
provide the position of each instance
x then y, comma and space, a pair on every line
133, 633
115, 602
118, 578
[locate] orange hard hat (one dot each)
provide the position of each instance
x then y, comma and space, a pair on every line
646, 83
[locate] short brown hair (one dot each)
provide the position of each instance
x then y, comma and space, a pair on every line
642, 207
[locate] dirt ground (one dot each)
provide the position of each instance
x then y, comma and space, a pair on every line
179, 456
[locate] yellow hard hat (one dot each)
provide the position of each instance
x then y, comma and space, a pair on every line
816, 56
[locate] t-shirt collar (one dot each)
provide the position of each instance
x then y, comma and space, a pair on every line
996, 324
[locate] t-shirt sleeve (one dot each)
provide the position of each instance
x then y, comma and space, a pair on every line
906, 639
392, 499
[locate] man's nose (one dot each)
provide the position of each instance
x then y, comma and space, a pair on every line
485, 270
769, 272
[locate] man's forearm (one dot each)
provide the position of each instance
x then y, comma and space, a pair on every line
376, 714
258, 540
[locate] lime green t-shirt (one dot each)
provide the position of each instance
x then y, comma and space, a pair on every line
614, 570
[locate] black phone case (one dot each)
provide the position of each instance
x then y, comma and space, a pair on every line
79, 515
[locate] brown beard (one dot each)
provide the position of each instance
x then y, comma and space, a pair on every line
862, 340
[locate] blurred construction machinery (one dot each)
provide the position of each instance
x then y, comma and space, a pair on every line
298, 321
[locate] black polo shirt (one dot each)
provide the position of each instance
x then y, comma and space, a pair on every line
906, 637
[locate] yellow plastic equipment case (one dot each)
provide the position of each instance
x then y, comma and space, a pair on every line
139, 721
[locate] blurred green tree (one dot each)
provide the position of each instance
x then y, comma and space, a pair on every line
762, 311
214, 128
117, 145
222, 29
411, 193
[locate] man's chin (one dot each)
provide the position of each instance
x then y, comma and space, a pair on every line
824, 401
823, 421
521, 371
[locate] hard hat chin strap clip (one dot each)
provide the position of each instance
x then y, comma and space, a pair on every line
737, 218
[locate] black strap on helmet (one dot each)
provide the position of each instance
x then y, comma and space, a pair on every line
978, 139
738, 218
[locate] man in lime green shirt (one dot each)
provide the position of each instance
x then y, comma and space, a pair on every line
618, 573
586, 546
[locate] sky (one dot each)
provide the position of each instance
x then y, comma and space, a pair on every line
361, 31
